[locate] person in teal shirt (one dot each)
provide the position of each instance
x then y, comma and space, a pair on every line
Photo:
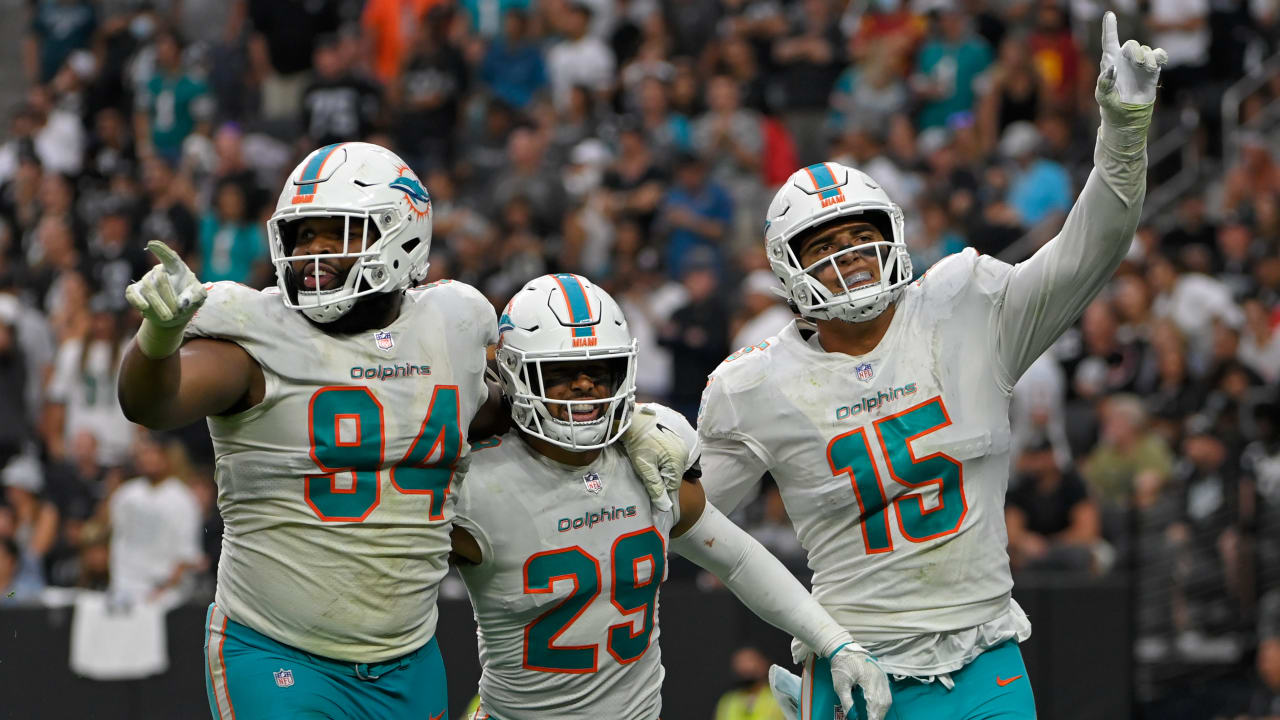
172, 104
946, 68
231, 243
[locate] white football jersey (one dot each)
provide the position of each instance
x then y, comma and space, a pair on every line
566, 598
893, 465
336, 488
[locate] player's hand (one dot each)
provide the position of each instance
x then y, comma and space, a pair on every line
658, 455
1127, 84
786, 691
851, 666
167, 296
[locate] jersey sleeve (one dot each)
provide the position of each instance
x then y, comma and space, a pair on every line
732, 461
468, 516
1044, 295
228, 313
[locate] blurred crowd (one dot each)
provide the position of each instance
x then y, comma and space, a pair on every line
638, 142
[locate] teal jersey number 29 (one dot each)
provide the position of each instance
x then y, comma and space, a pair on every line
630, 594
851, 453
348, 438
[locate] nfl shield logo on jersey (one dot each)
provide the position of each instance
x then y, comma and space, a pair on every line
284, 678
864, 372
593, 483
384, 341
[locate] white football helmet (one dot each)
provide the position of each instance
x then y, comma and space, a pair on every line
818, 195
364, 184
565, 318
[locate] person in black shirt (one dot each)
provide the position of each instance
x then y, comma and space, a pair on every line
281, 47
697, 334
338, 106
1053, 523
431, 91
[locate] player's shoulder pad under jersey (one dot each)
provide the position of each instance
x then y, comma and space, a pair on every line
462, 303
964, 273
232, 310
747, 367
678, 424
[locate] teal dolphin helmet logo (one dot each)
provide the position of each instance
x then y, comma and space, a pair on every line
411, 187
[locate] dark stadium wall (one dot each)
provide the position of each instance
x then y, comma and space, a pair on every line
1078, 657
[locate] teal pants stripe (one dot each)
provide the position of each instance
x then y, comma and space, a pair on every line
249, 676
992, 687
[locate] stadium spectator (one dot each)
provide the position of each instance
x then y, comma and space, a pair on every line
513, 66
338, 104
77, 487
281, 47
113, 259
1126, 449
807, 60
1040, 188
1181, 27
155, 528
695, 215
172, 103
1260, 342
868, 92
1010, 92
389, 26
82, 389
1053, 524
1056, 57
58, 27
430, 92
167, 215
730, 140
232, 242
948, 65
529, 174
579, 58
750, 699
697, 333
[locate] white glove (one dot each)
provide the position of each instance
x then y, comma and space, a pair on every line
786, 691
658, 454
167, 296
852, 666
1126, 94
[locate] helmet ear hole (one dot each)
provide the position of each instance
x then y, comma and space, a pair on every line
408, 245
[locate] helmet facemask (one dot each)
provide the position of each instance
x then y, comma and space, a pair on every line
385, 215
524, 378
854, 301
367, 275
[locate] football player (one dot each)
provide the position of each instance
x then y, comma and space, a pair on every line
560, 548
884, 416
340, 403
